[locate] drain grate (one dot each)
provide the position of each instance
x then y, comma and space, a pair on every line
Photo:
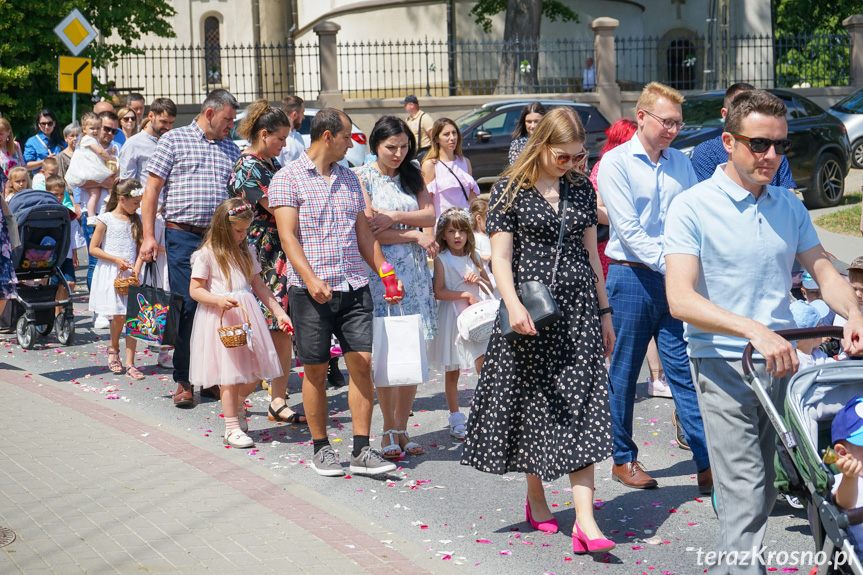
7, 536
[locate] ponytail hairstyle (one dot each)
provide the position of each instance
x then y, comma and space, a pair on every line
261, 116
220, 239
460, 219
478, 209
130, 188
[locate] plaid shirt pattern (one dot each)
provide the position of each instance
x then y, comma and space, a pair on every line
196, 173
327, 220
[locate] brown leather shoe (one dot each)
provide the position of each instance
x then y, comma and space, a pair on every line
212, 391
183, 397
632, 475
705, 481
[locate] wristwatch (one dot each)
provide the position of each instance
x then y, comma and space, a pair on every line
606, 310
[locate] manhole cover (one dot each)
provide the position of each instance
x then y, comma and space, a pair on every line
7, 536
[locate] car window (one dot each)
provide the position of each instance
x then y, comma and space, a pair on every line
853, 104
500, 124
809, 107
471, 117
306, 128
703, 111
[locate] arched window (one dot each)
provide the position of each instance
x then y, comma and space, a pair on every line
213, 50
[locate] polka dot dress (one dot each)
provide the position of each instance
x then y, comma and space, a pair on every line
541, 404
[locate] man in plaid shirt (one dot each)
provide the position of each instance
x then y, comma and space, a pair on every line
190, 168
319, 206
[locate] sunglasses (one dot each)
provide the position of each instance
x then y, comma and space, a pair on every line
108, 130
563, 159
46, 124
761, 145
129, 119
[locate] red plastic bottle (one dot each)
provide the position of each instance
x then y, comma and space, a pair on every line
391, 282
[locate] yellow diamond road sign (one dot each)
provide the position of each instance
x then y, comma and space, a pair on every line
76, 75
75, 32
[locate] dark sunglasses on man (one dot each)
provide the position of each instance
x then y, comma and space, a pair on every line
761, 145
108, 130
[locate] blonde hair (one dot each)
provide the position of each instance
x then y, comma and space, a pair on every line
130, 188
653, 92
50, 161
460, 219
11, 175
5, 126
437, 128
558, 127
478, 208
220, 239
124, 112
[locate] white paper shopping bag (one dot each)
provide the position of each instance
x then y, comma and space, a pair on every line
399, 351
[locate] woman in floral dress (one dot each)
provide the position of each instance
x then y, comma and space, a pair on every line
398, 207
267, 128
7, 269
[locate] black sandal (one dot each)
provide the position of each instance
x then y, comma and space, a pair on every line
294, 419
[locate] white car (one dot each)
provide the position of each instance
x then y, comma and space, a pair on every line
354, 157
850, 111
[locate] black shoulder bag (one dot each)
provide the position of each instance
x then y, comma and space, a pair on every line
536, 297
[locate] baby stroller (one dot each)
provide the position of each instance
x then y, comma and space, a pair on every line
43, 226
813, 398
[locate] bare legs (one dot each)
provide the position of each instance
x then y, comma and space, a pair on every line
396, 404
360, 394
653, 361
279, 386
582, 499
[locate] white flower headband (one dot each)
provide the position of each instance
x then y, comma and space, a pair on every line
453, 213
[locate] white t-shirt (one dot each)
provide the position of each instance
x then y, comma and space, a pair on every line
818, 357
294, 146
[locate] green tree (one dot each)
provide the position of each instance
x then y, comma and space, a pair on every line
29, 50
518, 65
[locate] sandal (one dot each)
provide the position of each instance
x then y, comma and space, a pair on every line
294, 419
114, 364
411, 447
393, 451
457, 425
134, 373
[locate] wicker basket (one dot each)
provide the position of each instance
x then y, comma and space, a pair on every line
233, 335
122, 284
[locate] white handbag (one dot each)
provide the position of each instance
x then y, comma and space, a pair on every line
476, 322
399, 355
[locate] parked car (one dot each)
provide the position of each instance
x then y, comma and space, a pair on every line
850, 111
820, 159
487, 133
353, 158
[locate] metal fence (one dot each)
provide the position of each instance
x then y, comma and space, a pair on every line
697, 62
187, 73
437, 68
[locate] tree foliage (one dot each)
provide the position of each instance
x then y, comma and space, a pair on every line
552, 9
29, 50
809, 16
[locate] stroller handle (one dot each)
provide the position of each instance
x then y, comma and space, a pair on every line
791, 335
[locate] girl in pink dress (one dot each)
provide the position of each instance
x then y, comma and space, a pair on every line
225, 280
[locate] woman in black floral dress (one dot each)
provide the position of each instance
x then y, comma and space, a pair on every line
541, 405
267, 128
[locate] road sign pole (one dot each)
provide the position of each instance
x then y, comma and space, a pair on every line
74, 108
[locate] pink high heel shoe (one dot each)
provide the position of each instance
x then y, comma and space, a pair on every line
547, 526
581, 544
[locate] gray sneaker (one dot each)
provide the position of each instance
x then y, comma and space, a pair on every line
370, 462
326, 462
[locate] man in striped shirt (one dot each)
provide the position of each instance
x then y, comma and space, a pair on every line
191, 167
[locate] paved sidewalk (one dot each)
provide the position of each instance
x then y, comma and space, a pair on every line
88, 489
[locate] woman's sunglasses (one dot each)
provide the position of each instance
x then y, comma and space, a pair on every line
563, 159
761, 145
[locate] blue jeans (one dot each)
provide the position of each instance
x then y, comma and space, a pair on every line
640, 313
91, 260
179, 246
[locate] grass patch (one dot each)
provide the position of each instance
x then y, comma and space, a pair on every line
851, 198
845, 221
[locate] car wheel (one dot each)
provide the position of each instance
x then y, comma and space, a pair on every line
857, 153
828, 183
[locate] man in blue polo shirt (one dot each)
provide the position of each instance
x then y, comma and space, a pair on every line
709, 154
730, 243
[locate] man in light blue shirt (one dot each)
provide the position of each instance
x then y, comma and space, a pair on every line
637, 181
730, 244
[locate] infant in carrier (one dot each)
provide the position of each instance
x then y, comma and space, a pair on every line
847, 434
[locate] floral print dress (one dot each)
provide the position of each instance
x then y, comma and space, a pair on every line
7, 269
251, 180
408, 260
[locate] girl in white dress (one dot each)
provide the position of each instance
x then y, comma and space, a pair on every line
225, 272
458, 273
115, 243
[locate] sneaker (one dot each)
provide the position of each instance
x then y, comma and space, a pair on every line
457, 425
679, 436
101, 322
92, 221
238, 438
326, 463
370, 462
165, 360
792, 501
659, 387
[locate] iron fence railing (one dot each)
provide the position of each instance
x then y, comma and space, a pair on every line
187, 73
385, 69
699, 62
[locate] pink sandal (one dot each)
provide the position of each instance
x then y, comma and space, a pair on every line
114, 364
134, 373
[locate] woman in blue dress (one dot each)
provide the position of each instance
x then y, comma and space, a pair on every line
398, 206
48, 141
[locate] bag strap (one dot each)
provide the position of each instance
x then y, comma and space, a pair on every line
150, 272
441, 162
563, 207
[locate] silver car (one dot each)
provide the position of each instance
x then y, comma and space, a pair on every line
850, 111
354, 157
